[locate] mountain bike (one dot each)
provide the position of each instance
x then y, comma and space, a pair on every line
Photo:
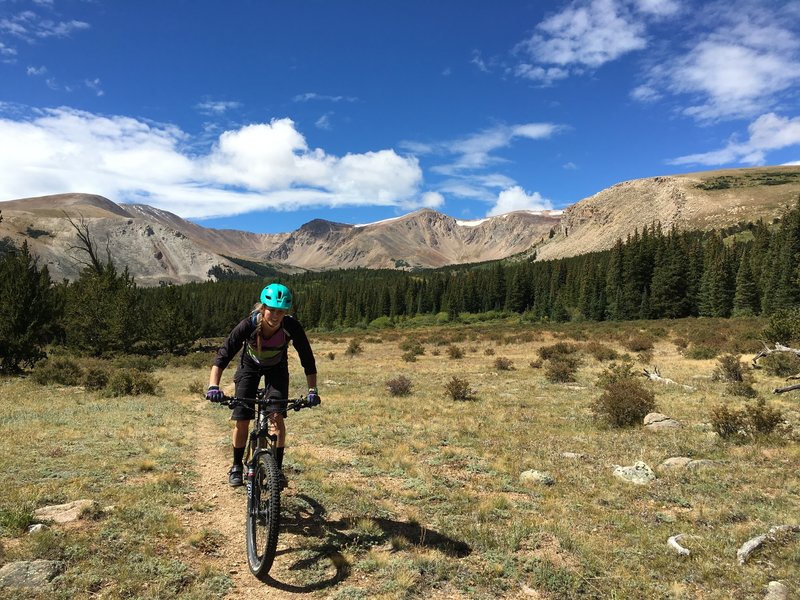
263, 478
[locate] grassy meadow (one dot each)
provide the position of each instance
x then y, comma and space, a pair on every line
420, 495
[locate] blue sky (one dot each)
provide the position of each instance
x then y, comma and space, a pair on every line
263, 115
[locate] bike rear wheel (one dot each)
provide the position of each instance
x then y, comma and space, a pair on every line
263, 515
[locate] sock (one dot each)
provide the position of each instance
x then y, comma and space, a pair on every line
279, 457
238, 455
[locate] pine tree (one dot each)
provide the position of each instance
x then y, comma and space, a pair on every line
29, 310
745, 299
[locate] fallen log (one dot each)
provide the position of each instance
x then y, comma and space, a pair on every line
767, 351
655, 375
746, 549
788, 388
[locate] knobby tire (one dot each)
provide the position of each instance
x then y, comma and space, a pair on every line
263, 516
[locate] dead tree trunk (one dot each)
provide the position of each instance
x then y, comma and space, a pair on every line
655, 375
778, 348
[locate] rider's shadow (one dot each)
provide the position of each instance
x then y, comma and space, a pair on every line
305, 517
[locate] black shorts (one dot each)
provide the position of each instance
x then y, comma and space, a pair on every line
249, 380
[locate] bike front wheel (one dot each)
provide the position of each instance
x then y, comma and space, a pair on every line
263, 515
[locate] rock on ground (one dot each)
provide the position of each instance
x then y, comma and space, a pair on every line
640, 473
28, 573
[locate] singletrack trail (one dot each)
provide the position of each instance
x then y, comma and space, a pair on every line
213, 506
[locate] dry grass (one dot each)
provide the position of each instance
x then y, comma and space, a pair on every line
421, 496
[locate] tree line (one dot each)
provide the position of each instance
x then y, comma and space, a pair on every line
751, 269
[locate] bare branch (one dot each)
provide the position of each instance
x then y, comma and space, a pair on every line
786, 389
655, 375
778, 348
87, 245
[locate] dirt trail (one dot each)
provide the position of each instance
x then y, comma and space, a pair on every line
298, 571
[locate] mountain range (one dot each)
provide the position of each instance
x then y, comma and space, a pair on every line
161, 247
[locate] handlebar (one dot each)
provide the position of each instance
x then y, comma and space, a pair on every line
271, 404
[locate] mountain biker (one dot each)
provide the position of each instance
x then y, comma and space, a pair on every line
264, 336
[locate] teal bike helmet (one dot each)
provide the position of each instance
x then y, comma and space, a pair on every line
277, 296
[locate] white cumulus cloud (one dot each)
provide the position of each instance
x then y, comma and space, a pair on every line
516, 198
256, 167
768, 132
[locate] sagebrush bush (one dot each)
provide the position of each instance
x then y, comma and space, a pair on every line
725, 421
458, 389
399, 386
616, 371
757, 418
196, 387
639, 342
740, 388
729, 368
624, 402
781, 364
95, 378
331, 355
61, 371
413, 347
503, 364
455, 352
681, 343
562, 369
600, 352
537, 364
489, 352
139, 363
700, 352
557, 349
193, 360
130, 382
353, 348
409, 357
761, 418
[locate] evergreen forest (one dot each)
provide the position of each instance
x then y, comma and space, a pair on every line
750, 269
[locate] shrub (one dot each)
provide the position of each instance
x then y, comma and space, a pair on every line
781, 364
616, 371
639, 342
455, 352
436, 352
624, 402
458, 389
761, 418
503, 364
196, 387
138, 363
61, 371
701, 352
399, 386
536, 364
331, 355
413, 346
755, 419
130, 382
557, 349
725, 421
601, 352
193, 360
729, 368
353, 348
409, 357
783, 327
740, 388
561, 369
95, 378
489, 352
681, 343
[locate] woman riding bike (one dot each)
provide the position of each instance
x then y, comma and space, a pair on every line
264, 336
